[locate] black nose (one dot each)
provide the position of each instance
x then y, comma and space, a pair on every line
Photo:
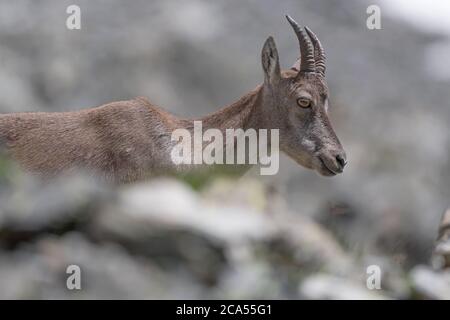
341, 160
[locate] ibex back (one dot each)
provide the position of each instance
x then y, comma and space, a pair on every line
129, 140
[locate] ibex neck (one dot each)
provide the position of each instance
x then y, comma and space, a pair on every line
232, 122
241, 114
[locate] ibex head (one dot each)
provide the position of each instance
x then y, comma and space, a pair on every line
296, 102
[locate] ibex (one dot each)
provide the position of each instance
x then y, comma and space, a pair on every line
127, 140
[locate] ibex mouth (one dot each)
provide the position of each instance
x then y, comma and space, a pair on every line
325, 170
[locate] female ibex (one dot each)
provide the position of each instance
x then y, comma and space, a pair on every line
126, 140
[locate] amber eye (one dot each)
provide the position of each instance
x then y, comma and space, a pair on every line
304, 102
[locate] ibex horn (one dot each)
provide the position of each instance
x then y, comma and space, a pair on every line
319, 52
307, 63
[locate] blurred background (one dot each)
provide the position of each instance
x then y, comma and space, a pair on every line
231, 239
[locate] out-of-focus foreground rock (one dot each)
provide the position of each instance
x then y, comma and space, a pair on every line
163, 239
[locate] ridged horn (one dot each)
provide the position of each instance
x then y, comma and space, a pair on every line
319, 52
307, 63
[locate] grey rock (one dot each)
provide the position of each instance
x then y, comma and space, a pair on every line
33, 205
431, 284
322, 286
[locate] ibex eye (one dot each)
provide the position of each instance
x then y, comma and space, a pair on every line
304, 103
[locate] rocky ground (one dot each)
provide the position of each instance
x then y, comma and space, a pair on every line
163, 239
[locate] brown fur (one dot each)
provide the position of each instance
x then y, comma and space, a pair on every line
121, 141
116, 140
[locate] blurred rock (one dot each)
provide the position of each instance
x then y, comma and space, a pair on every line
38, 271
430, 284
441, 254
394, 277
162, 239
172, 205
33, 206
161, 230
328, 287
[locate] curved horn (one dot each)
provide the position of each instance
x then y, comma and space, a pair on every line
307, 63
319, 52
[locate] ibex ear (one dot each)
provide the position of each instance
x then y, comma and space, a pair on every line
270, 62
